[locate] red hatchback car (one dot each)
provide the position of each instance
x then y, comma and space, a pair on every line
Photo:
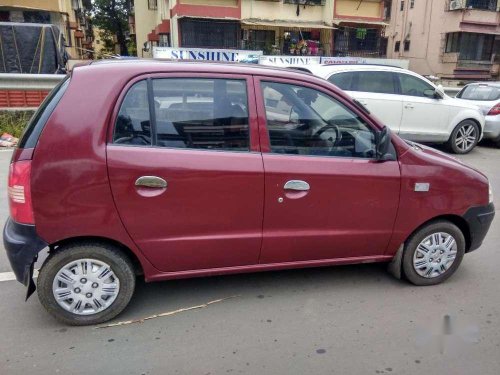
175, 170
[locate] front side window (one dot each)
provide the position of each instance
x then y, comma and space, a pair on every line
133, 125
304, 121
201, 113
413, 86
379, 82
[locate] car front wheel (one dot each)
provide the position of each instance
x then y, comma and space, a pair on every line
433, 253
464, 137
84, 284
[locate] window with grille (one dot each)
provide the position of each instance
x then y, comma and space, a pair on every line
152, 4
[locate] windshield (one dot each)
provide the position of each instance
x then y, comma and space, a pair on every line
480, 92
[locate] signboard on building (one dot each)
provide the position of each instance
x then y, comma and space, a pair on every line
285, 61
204, 54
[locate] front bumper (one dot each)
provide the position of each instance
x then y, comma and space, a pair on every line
492, 127
479, 220
22, 245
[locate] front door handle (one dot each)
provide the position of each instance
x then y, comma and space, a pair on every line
408, 106
151, 182
298, 185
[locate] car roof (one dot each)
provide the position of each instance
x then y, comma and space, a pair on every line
324, 70
487, 83
157, 65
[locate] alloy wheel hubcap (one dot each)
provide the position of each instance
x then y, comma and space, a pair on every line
435, 255
85, 286
466, 137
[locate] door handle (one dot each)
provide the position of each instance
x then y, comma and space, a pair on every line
298, 185
151, 182
408, 106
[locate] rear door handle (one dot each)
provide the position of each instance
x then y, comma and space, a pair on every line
298, 185
151, 182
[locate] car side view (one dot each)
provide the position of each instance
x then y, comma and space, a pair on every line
409, 104
178, 170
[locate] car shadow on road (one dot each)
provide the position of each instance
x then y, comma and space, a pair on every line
153, 298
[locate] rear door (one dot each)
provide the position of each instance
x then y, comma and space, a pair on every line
186, 172
326, 196
377, 91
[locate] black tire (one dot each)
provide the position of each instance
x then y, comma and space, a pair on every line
111, 255
452, 142
414, 241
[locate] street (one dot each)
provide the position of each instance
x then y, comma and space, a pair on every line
334, 320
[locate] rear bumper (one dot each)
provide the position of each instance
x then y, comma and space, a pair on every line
22, 245
479, 220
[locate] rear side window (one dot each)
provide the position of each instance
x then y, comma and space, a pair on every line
133, 124
195, 113
36, 124
379, 82
343, 81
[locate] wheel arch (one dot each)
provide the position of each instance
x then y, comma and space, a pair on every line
468, 117
131, 255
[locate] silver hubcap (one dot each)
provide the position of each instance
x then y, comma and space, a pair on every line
466, 137
85, 287
435, 255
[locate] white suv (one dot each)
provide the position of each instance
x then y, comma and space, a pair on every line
409, 104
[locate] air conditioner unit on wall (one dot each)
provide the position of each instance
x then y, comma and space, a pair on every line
458, 4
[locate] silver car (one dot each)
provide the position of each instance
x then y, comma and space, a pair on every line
486, 95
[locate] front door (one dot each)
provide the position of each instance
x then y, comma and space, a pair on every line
425, 119
186, 172
326, 196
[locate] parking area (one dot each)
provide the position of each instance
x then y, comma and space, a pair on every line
336, 320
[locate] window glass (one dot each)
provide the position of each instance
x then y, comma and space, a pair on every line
343, 81
133, 124
201, 113
380, 82
413, 86
304, 121
480, 92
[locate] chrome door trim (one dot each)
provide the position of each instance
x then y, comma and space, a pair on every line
151, 182
298, 185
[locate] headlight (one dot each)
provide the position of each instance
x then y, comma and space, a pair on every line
490, 194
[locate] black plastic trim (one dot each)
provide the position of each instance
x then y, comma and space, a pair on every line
479, 220
22, 245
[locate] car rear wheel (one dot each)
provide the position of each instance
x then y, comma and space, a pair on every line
433, 253
85, 284
464, 137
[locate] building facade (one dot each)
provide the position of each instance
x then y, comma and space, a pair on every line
451, 39
70, 16
285, 27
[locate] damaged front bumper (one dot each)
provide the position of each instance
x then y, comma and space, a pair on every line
22, 245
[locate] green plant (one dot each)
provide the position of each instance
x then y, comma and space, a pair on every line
14, 122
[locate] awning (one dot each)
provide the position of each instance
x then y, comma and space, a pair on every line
289, 24
359, 22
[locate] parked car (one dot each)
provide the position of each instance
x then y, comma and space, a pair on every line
486, 95
409, 104
176, 170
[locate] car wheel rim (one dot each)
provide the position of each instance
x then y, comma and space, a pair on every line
466, 137
85, 287
435, 255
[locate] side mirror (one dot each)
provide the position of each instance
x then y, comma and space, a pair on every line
383, 140
433, 94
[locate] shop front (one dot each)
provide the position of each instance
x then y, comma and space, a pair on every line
287, 38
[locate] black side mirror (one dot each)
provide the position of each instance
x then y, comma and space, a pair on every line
433, 94
383, 139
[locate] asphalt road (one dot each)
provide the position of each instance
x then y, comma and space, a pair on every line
341, 320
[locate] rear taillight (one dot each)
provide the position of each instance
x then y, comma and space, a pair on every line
495, 110
21, 208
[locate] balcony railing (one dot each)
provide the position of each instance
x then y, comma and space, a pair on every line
482, 4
